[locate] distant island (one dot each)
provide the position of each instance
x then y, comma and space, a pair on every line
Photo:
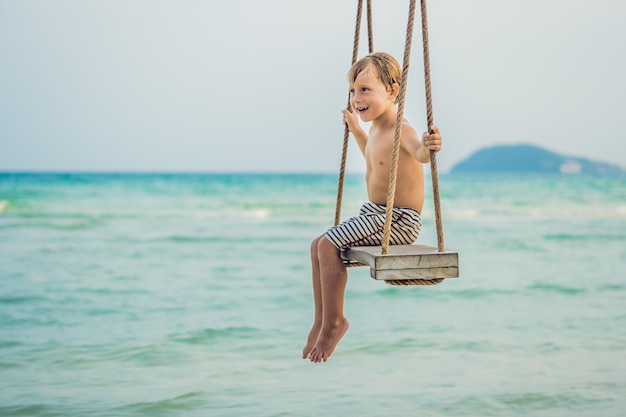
530, 159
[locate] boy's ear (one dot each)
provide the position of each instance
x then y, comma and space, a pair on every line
395, 91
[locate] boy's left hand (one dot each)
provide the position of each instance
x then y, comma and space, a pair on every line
432, 139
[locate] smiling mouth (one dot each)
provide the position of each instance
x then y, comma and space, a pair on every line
361, 109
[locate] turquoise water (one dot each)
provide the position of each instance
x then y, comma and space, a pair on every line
189, 295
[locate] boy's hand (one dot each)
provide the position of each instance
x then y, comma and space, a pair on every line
432, 139
351, 119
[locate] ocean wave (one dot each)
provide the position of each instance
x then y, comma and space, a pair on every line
439, 293
585, 236
30, 410
385, 346
216, 239
554, 288
181, 403
533, 401
20, 299
95, 215
505, 211
212, 334
178, 405
144, 355
261, 213
50, 220
8, 344
469, 213
612, 287
69, 217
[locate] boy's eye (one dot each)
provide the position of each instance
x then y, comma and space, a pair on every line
361, 89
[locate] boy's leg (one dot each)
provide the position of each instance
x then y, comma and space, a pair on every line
317, 299
333, 278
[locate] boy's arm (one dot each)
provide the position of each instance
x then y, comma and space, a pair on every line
352, 120
420, 149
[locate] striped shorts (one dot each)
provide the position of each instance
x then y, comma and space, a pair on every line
367, 228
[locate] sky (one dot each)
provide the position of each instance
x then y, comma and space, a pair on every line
258, 86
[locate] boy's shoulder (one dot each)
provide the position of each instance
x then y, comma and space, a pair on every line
408, 129
389, 129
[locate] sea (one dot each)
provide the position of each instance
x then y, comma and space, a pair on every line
172, 294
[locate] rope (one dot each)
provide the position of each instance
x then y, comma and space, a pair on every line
400, 282
429, 122
370, 34
346, 131
391, 191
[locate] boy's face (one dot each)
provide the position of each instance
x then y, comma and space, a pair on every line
369, 97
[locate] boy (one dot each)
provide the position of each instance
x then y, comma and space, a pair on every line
374, 87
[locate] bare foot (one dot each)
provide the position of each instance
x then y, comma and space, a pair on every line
310, 341
328, 340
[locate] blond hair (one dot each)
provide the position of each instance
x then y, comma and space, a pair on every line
386, 67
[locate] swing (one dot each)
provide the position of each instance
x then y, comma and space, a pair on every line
401, 264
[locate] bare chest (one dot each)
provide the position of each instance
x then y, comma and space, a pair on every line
378, 152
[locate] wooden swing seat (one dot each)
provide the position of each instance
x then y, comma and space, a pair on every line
405, 262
